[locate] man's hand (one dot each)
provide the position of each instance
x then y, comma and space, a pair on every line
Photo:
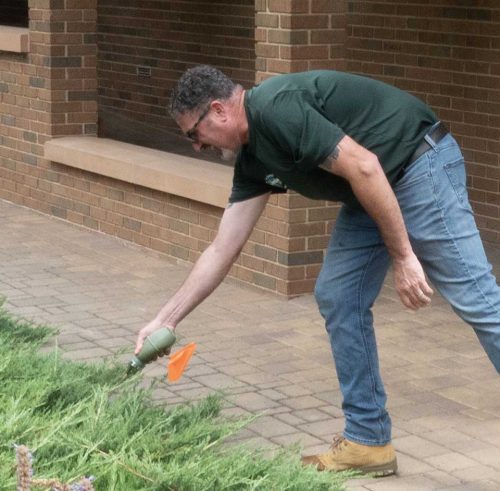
410, 282
146, 331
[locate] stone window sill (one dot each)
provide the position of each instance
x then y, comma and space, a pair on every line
14, 39
199, 180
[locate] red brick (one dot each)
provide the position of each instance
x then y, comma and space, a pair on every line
288, 6
303, 21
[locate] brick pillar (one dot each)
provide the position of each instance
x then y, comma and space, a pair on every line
297, 231
63, 60
57, 87
292, 36
297, 35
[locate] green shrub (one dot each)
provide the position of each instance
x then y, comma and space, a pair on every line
87, 419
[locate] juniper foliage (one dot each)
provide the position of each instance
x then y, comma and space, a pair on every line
84, 419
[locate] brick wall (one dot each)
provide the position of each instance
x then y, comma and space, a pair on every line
145, 46
448, 54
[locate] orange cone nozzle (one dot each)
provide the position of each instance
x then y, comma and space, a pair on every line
178, 362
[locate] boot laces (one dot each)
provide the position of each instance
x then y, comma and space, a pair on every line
337, 444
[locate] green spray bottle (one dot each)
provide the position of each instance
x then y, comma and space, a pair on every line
158, 342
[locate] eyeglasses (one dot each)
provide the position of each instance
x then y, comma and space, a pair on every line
192, 134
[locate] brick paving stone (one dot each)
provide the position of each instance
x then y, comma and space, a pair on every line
451, 461
218, 381
410, 483
416, 410
302, 402
476, 473
489, 455
156, 370
235, 413
488, 431
437, 422
253, 401
333, 398
397, 401
323, 429
269, 426
70, 338
482, 485
99, 332
116, 332
163, 394
259, 379
408, 466
201, 369
443, 478
332, 411
317, 448
237, 369
78, 346
440, 382
418, 447
358, 484
301, 439
290, 419
278, 368
398, 432
294, 390
88, 354
194, 394
114, 344
266, 447
312, 414
273, 394
29, 313
452, 438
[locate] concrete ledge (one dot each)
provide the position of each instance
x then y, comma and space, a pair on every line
195, 179
15, 39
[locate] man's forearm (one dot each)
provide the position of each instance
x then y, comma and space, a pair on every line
213, 265
370, 185
377, 198
379, 201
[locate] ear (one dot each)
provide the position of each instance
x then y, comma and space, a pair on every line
219, 109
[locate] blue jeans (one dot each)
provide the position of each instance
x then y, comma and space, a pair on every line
433, 198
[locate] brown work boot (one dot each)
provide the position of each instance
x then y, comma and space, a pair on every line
346, 455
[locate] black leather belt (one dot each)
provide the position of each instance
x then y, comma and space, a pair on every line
436, 134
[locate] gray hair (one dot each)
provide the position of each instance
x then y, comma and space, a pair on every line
197, 87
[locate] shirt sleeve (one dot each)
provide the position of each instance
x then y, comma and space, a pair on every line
298, 126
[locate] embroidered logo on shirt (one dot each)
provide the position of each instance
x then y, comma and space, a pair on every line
272, 180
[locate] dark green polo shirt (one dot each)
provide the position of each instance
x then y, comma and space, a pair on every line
296, 121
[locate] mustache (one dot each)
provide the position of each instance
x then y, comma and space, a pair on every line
223, 153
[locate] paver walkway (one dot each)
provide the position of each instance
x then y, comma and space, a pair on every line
273, 354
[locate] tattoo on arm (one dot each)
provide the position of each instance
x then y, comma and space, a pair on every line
330, 160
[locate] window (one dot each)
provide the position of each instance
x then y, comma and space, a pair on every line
14, 13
